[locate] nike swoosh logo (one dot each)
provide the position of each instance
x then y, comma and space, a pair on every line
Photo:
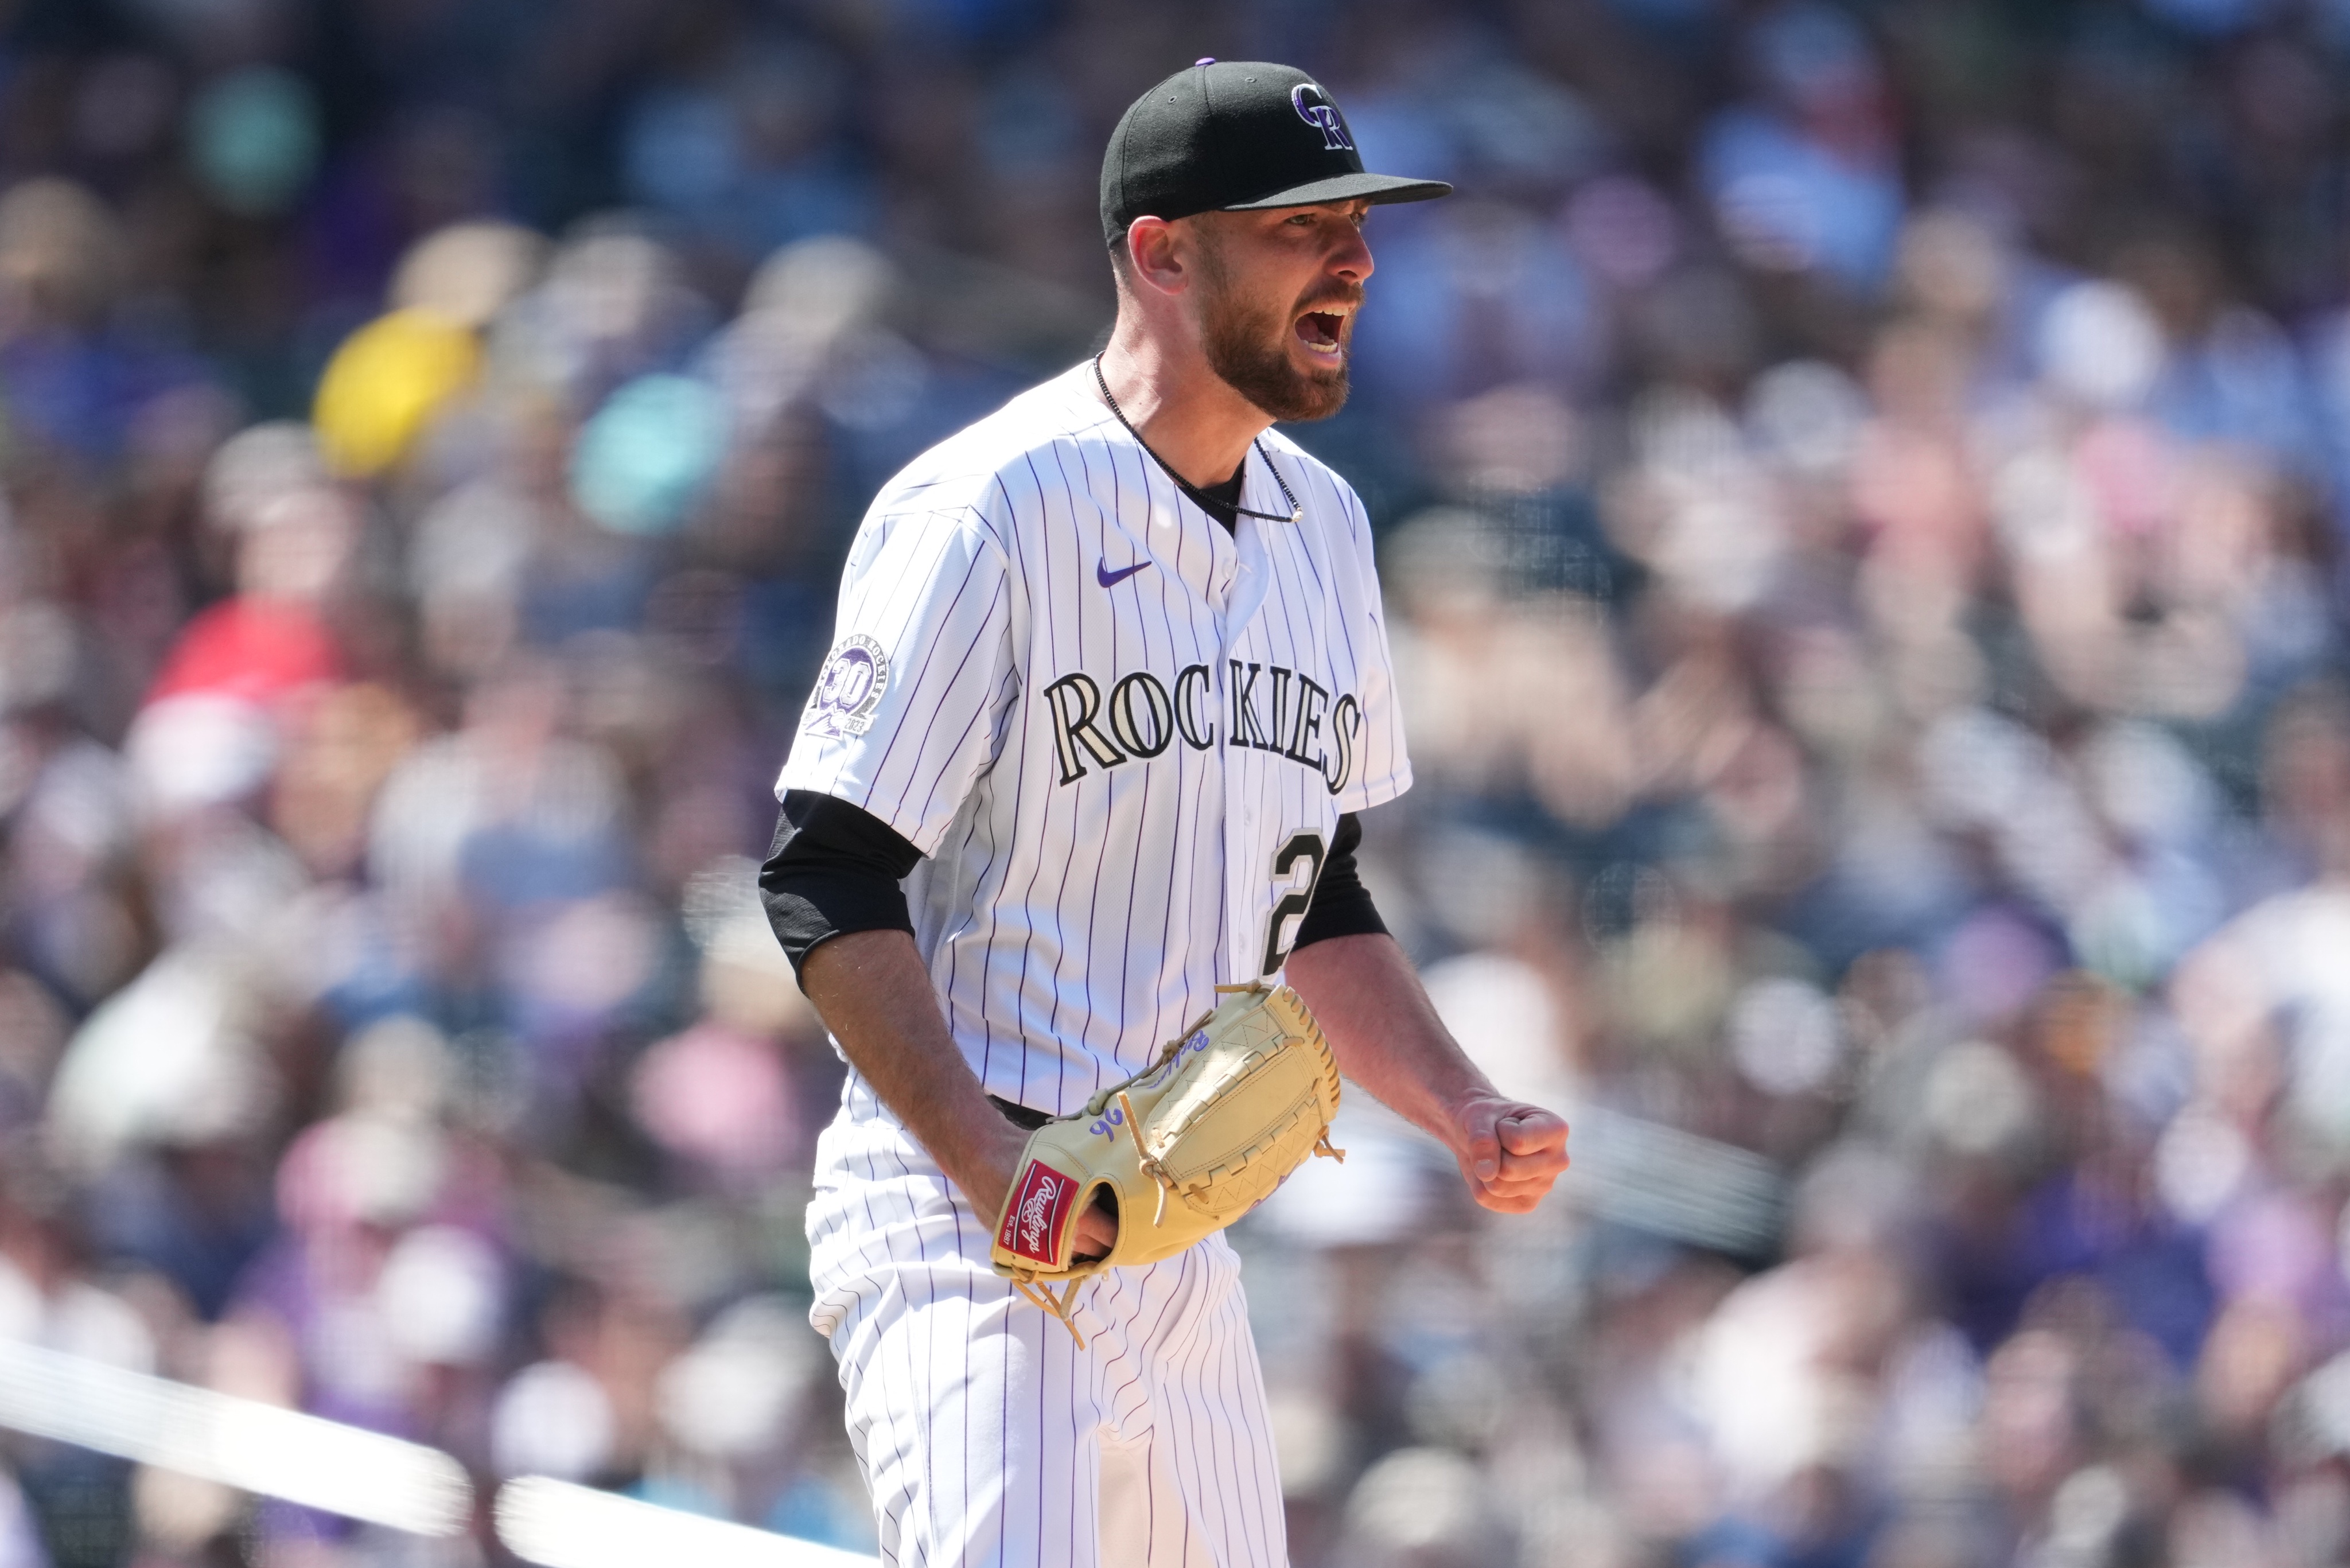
1109, 579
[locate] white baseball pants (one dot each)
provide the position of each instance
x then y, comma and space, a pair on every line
988, 1439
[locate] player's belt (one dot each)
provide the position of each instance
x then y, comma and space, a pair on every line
1027, 1118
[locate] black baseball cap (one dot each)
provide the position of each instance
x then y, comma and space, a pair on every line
1237, 136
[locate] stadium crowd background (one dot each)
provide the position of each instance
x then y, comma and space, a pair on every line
1861, 491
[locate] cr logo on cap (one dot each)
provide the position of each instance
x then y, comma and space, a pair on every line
1315, 107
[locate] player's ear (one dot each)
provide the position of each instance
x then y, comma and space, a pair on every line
1156, 257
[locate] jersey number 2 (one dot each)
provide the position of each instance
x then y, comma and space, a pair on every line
1308, 848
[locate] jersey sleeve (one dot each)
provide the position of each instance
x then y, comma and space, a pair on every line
1381, 768
904, 716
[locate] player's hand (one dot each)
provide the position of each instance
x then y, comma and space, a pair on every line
1509, 1152
1097, 1230
986, 1174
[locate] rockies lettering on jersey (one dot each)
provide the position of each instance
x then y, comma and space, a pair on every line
1107, 722
1141, 716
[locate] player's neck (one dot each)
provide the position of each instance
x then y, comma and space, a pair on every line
1184, 411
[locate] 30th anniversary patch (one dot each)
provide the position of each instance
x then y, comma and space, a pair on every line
855, 674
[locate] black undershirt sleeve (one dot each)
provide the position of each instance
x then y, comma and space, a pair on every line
834, 868
1342, 905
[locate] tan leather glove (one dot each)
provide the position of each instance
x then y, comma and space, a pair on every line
1188, 1146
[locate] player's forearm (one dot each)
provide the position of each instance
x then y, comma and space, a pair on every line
876, 997
1384, 1030
1387, 1037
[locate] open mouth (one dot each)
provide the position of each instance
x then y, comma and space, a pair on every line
1323, 331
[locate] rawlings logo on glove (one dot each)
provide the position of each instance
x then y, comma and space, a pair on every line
1186, 1146
1034, 1216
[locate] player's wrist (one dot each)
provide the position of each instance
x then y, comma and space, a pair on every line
1470, 1107
985, 1161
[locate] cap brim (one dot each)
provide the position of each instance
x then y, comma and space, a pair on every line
1380, 189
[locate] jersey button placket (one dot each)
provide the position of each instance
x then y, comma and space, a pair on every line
1224, 570
1237, 764
1248, 863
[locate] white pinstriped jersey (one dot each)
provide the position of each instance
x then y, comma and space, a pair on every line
1122, 737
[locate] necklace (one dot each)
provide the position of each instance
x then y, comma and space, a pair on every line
1296, 512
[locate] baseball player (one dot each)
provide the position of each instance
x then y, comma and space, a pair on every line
1109, 687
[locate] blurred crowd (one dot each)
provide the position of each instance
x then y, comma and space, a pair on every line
1861, 491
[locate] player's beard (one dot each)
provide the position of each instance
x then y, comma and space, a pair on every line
1245, 342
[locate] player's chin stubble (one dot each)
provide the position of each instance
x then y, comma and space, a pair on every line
1245, 347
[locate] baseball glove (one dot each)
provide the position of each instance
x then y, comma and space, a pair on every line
1187, 1145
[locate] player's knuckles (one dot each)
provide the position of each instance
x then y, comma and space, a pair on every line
1532, 1132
